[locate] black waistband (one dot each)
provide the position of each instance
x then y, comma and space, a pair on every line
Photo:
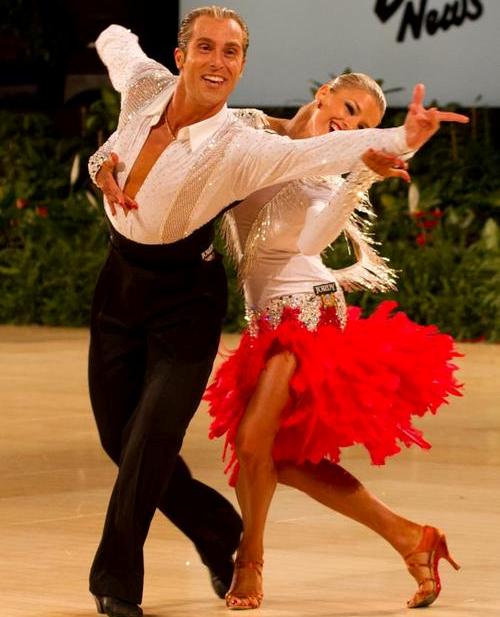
185, 251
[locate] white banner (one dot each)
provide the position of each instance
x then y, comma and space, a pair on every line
452, 46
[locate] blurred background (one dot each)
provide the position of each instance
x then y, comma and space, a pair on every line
57, 107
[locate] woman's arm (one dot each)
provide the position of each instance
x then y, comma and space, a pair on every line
370, 271
325, 222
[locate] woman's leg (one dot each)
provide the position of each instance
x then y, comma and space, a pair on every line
337, 489
257, 476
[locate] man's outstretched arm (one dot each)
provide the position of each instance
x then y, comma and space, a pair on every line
124, 58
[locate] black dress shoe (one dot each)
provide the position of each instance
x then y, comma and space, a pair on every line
221, 575
217, 551
220, 564
107, 605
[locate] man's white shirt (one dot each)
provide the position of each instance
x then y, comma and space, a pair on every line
212, 163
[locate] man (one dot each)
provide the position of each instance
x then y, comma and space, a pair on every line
180, 159
116, 386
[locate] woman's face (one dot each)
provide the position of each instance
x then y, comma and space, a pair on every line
345, 108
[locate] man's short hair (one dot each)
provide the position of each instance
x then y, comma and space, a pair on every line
218, 12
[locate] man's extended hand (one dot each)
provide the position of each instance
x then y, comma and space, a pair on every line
421, 123
386, 164
105, 180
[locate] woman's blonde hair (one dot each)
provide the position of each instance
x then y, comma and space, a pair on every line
218, 12
360, 81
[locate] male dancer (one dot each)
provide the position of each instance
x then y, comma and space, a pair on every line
160, 298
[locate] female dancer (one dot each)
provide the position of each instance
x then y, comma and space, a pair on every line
303, 382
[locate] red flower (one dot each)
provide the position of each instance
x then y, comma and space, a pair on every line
418, 214
42, 211
21, 203
429, 224
421, 239
437, 213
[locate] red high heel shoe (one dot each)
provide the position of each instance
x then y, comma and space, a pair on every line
237, 600
432, 547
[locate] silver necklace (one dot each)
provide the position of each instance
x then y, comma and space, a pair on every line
171, 133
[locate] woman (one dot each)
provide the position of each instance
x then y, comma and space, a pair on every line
302, 383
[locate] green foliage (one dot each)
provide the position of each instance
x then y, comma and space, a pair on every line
52, 234
48, 271
454, 286
102, 116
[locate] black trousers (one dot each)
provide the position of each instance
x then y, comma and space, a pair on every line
155, 327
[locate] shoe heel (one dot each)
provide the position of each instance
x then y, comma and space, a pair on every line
434, 547
445, 554
99, 606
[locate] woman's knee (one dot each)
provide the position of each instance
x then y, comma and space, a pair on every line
284, 362
253, 449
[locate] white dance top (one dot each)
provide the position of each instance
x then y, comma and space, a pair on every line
277, 236
211, 163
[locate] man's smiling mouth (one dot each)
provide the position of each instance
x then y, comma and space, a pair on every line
214, 79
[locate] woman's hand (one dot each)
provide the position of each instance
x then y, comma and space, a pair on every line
421, 123
105, 180
386, 164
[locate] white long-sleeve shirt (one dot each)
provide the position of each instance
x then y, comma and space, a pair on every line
212, 163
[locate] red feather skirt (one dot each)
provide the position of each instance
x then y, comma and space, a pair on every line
360, 385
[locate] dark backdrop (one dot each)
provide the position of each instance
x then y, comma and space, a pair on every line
45, 59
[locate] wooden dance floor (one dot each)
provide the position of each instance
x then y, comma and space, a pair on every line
55, 483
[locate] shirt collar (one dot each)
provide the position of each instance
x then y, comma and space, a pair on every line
195, 133
199, 132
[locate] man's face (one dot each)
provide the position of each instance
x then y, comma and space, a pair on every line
213, 62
